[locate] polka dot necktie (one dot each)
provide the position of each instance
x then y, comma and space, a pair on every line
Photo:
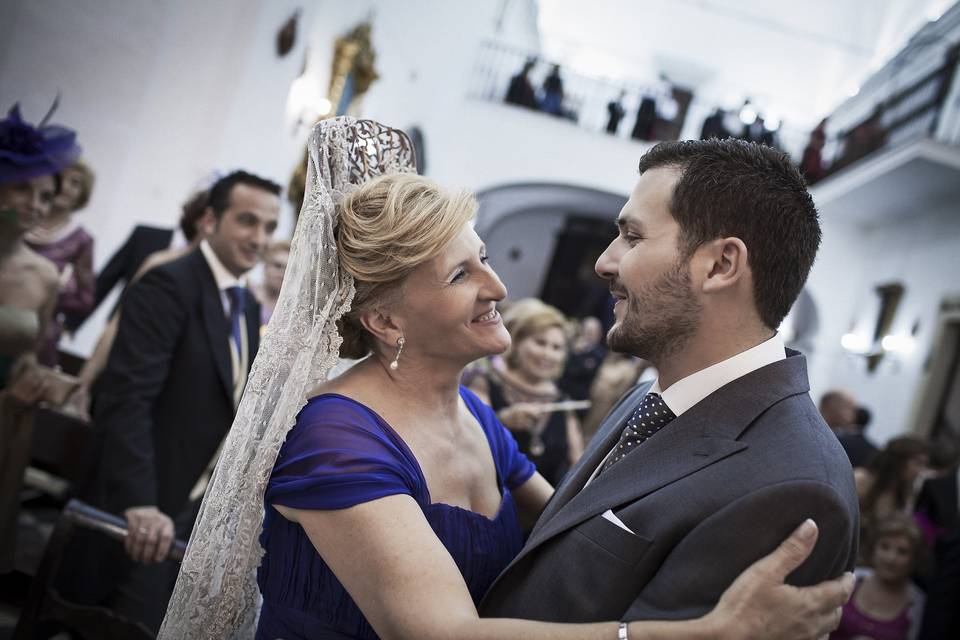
650, 417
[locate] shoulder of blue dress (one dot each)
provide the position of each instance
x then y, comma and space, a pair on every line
475, 404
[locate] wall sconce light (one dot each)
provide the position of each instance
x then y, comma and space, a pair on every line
855, 343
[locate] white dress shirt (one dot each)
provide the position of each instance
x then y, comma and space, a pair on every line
225, 280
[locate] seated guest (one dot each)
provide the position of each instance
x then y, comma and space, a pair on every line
274, 266
885, 604
194, 208
68, 245
522, 392
187, 336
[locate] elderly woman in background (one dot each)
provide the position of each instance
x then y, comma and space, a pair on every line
886, 605
64, 242
274, 266
524, 393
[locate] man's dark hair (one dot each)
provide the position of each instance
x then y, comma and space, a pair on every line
752, 192
219, 198
193, 210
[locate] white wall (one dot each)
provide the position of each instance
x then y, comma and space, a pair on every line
161, 94
920, 250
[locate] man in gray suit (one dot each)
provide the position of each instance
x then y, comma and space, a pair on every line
693, 477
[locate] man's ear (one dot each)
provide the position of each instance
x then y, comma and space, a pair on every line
381, 326
208, 223
726, 263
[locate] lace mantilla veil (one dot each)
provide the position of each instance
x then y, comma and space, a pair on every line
216, 595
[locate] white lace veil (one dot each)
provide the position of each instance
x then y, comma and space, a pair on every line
216, 594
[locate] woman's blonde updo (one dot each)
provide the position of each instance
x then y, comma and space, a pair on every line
385, 229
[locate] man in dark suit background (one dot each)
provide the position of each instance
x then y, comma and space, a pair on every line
695, 476
143, 242
189, 330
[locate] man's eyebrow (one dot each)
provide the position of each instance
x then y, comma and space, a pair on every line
624, 222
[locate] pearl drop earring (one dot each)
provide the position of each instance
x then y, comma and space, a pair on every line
396, 361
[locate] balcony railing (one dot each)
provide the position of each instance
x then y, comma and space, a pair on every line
910, 98
678, 113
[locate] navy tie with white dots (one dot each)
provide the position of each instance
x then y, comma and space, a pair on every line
650, 417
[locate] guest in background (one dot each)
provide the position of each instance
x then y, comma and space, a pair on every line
839, 410
521, 91
941, 618
144, 241
811, 164
617, 373
586, 355
523, 391
713, 126
889, 485
646, 116
68, 245
552, 101
78, 402
30, 157
885, 604
274, 267
939, 502
854, 441
615, 112
187, 336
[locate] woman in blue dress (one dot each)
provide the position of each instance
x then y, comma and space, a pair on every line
397, 497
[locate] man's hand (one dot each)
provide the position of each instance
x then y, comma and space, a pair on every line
149, 534
760, 605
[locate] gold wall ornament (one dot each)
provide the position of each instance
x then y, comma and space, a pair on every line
351, 75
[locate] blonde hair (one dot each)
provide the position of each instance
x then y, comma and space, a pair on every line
527, 318
87, 180
385, 229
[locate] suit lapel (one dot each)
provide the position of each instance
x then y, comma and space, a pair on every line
705, 434
600, 445
215, 324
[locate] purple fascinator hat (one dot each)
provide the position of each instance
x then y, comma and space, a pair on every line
27, 151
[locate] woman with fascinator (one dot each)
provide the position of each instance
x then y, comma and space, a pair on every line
30, 158
388, 499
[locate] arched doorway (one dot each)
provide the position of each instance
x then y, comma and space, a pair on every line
543, 239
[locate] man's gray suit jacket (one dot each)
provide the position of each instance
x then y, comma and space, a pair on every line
718, 488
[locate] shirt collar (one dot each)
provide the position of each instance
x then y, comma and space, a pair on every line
221, 274
685, 393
